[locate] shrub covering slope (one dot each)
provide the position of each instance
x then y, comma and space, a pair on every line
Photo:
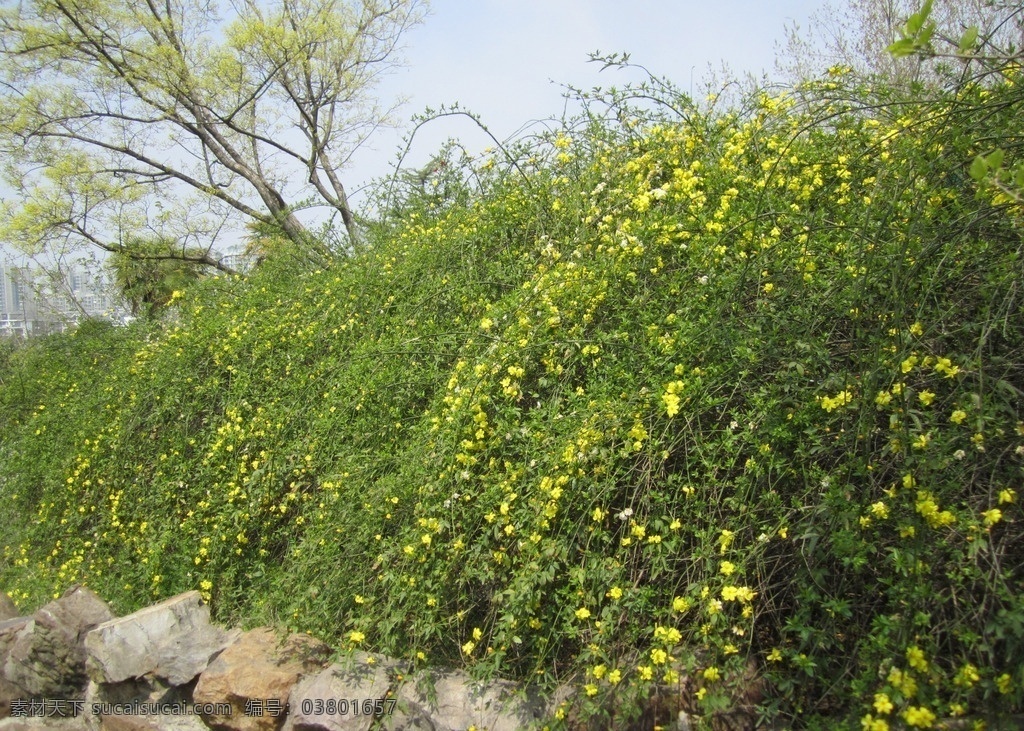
674, 395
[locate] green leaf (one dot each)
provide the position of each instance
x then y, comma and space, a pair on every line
902, 47
995, 159
925, 35
1019, 178
979, 168
914, 23
968, 39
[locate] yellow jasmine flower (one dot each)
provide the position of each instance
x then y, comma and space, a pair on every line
916, 659
919, 716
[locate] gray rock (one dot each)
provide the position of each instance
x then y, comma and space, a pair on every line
172, 640
43, 724
121, 706
407, 716
313, 703
455, 702
9, 631
47, 656
7, 608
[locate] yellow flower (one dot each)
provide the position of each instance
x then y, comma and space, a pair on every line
834, 402
599, 671
916, 659
1006, 496
659, 656
467, 649
614, 593
966, 677
919, 716
646, 672
926, 397
908, 365
870, 723
916, 329
680, 604
958, 416
582, 613
903, 682
614, 676
711, 674
880, 510
477, 634
591, 689
355, 637
1004, 683
727, 568
993, 516
775, 655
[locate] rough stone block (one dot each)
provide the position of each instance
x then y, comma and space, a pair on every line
172, 640
47, 656
454, 702
8, 610
257, 669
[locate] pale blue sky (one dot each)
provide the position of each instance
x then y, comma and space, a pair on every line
499, 58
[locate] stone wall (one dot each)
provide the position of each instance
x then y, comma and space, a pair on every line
74, 665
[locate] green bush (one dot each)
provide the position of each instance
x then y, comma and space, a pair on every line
684, 397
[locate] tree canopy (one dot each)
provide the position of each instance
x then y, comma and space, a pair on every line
245, 113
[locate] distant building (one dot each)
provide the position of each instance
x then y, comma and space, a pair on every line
19, 311
24, 312
242, 263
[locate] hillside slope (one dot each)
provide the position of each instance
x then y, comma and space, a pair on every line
671, 401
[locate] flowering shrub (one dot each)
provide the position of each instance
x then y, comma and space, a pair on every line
678, 397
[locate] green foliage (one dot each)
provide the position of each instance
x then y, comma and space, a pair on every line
683, 398
149, 273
